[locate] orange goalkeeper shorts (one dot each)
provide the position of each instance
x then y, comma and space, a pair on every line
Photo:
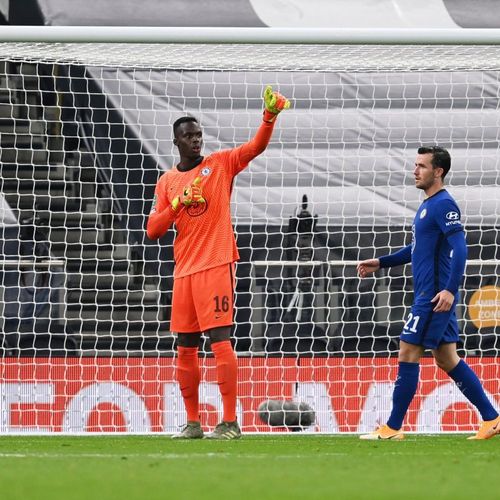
203, 300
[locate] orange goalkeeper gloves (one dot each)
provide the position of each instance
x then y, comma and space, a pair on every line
274, 104
190, 194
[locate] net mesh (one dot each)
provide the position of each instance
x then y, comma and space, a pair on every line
85, 297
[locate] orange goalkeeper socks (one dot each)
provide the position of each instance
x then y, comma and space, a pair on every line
188, 376
227, 377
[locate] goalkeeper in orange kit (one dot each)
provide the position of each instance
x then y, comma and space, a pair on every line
195, 195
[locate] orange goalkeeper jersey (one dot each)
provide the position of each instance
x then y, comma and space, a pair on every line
205, 236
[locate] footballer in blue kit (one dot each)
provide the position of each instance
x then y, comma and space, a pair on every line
438, 253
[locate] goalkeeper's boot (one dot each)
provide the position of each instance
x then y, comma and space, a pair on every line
488, 429
192, 430
225, 430
383, 432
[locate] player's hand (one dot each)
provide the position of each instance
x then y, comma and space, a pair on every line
190, 194
444, 300
274, 104
366, 267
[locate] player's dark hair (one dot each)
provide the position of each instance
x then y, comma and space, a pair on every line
440, 157
181, 120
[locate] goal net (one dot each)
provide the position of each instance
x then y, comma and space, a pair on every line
85, 297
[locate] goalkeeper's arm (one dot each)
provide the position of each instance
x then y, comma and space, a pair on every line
160, 219
274, 103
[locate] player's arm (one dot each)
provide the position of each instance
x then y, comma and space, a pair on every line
163, 213
448, 218
399, 258
161, 216
445, 298
274, 103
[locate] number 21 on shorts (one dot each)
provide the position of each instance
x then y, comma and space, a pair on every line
411, 324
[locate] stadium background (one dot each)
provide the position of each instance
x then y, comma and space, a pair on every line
115, 303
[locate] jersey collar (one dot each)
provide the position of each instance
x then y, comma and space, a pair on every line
435, 194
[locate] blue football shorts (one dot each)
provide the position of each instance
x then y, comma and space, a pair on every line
430, 329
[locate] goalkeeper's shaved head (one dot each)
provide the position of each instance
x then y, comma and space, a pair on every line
181, 120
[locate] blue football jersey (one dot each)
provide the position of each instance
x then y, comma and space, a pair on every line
437, 217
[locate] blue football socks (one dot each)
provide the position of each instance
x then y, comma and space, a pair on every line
471, 388
404, 390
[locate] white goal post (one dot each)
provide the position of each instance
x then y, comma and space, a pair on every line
85, 131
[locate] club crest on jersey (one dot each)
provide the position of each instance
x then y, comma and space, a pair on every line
205, 171
197, 209
423, 213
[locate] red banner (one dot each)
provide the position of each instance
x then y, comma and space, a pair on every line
141, 395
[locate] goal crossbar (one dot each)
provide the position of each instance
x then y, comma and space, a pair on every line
214, 35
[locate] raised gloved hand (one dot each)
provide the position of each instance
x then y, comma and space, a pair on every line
274, 103
190, 194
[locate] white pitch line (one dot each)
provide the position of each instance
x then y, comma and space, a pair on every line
167, 456
253, 456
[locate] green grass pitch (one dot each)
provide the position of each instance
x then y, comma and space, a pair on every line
255, 467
